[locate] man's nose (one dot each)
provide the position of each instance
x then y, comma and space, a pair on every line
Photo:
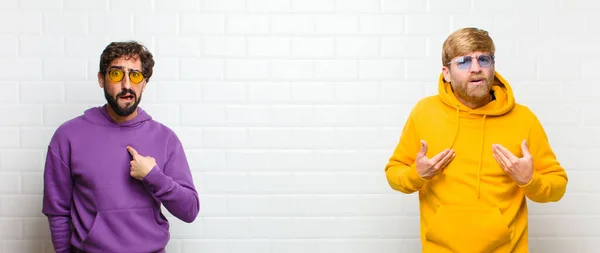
126, 83
475, 67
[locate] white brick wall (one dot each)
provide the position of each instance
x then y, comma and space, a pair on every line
289, 110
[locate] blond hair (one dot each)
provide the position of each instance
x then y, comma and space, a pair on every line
465, 41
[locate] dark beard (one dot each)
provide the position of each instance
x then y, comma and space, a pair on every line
123, 112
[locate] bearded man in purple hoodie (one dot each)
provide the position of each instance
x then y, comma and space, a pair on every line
109, 170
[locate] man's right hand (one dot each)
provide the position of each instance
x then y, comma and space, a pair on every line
429, 168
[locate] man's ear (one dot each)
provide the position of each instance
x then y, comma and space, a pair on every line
447, 75
101, 79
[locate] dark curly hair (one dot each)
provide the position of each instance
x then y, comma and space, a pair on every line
128, 49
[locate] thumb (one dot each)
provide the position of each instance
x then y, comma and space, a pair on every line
423, 150
524, 148
132, 151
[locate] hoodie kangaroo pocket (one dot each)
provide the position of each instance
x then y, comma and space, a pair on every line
126, 230
468, 229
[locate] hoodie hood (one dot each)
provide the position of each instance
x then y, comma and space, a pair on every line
502, 103
99, 115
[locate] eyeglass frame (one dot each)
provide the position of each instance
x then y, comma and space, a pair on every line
465, 57
115, 68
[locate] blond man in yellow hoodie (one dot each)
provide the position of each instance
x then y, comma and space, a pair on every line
474, 156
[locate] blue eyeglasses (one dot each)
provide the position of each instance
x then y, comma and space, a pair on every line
464, 62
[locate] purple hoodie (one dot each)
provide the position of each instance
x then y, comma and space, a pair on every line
91, 200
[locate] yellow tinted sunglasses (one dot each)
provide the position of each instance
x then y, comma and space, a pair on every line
116, 75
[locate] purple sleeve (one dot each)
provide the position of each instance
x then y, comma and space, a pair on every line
56, 204
174, 186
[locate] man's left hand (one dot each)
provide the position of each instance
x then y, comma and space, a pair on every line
140, 165
519, 169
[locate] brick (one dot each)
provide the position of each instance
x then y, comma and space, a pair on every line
202, 69
11, 229
229, 46
30, 23
55, 115
269, 91
238, 69
83, 92
342, 69
42, 46
312, 47
292, 24
224, 92
203, 115
393, 6
294, 115
358, 6
336, 24
391, 69
41, 92
186, 92
55, 69
358, 47
228, 6
51, 5
177, 5
85, 5
21, 69
122, 7
10, 92
292, 70
202, 23
247, 160
247, 115
9, 46
444, 7
225, 228
409, 47
85, 46
65, 23
420, 25
268, 46
313, 6
268, 6
248, 24
231, 137
33, 182
21, 115
382, 24
110, 23
9, 184
155, 24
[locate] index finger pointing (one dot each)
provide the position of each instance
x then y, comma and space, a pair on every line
132, 151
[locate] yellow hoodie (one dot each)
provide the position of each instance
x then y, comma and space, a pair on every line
473, 206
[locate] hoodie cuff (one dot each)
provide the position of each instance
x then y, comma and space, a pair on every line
156, 180
414, 178
534, 185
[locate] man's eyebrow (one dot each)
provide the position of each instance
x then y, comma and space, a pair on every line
121, 68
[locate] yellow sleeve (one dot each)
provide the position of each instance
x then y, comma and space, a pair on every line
400, 171
549, 182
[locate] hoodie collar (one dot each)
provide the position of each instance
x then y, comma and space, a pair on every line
502, 91
99, 115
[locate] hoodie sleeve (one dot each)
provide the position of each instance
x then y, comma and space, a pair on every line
174, 186
56, 204
401, 172
549, 181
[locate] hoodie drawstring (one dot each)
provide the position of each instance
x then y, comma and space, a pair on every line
480, 147
480, 157
457, 125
